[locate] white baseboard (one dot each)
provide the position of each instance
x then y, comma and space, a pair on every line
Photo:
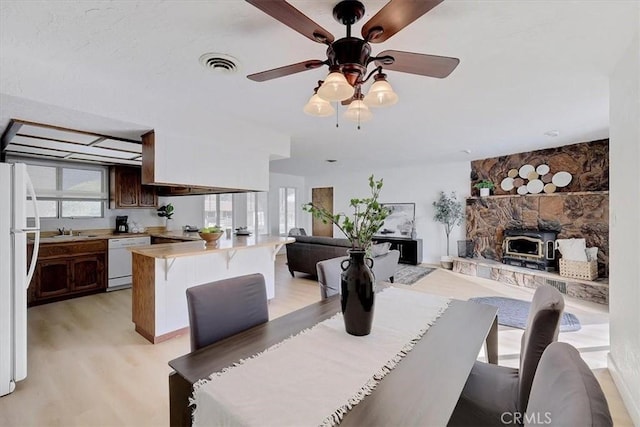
632, 406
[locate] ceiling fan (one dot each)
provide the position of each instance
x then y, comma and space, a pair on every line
349, 57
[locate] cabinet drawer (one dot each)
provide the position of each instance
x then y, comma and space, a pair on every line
71, 248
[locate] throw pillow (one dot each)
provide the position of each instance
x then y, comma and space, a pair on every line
380, 249
573, 249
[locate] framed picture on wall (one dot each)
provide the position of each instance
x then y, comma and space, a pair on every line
400, 221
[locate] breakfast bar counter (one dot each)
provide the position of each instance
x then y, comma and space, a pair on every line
163, 272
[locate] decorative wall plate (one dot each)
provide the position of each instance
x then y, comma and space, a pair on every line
512, 173
518, 182
561, 179
546, 178
549, 188
535, 186
542, 169
507, 184
525, 170
532, 175
522, 190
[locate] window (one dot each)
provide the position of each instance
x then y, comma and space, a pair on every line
218, 210
257, 213
68, 190
287, 209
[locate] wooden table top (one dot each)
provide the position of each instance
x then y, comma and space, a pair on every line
422, 390
177, 250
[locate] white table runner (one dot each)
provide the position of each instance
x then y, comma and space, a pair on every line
316, 376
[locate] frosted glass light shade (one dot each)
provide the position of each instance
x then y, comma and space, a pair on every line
381, 94
318, 107
336, 88
358, 112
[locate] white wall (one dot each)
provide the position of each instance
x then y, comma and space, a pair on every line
235, 157
624, 243
277, 180
418, 184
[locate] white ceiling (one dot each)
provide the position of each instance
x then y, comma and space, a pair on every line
124, 67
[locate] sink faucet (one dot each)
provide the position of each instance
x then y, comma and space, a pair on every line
63, 231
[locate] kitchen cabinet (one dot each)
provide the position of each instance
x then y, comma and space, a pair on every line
126, 190
410, 249
67, 270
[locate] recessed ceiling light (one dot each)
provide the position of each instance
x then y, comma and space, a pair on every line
552, 133
219, 62
466, 151
331, 160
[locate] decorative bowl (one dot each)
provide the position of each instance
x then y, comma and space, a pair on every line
211, 237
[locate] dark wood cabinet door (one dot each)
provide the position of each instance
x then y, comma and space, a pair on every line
148, 197
88, 272
53, 278
127, 187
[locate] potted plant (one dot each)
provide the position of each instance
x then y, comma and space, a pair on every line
166, 211
485, 187
357, 280
448, 211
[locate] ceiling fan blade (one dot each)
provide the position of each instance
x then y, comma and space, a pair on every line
286, 70
394, 16
294, 19
418, 63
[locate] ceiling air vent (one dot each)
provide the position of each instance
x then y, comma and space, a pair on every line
219, 63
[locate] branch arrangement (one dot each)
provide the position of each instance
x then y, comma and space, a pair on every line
368, 217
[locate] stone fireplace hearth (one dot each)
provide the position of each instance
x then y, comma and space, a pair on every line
595, 291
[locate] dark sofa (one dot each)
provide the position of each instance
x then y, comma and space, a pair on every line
306, 251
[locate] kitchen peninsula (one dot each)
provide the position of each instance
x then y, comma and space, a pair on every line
163, 272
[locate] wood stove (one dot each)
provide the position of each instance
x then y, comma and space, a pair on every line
530, 248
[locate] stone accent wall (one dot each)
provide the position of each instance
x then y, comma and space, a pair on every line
587, 162
580, 210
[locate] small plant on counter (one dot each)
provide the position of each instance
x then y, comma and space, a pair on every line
166, 211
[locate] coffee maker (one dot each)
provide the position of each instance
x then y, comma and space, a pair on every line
121, 224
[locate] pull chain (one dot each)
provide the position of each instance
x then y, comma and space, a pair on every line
337, 125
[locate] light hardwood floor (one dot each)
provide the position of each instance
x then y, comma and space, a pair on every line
88, 367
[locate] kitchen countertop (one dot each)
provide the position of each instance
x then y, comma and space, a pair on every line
85, 237
176, 250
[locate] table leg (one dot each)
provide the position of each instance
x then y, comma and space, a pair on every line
491, 343
179, 392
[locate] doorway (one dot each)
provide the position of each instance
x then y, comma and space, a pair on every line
322, 197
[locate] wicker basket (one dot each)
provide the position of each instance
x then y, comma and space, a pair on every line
579, 269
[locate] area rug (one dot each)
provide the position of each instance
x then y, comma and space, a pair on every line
410, 274
513, 312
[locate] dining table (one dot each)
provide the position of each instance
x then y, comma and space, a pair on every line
421, 390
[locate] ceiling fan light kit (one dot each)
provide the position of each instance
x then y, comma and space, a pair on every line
336, 88
318, 107
381, 93
349, 57
358, 112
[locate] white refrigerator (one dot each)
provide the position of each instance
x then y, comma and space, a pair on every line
17, 201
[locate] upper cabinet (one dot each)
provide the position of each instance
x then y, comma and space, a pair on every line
126, 190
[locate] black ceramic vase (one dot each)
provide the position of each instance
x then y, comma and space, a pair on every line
357, 298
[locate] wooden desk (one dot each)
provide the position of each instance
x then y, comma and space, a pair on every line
422, 390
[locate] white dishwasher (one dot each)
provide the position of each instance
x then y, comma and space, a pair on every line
120, 261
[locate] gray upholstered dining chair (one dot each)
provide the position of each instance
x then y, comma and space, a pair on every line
493, 390
565, 392
223, 308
